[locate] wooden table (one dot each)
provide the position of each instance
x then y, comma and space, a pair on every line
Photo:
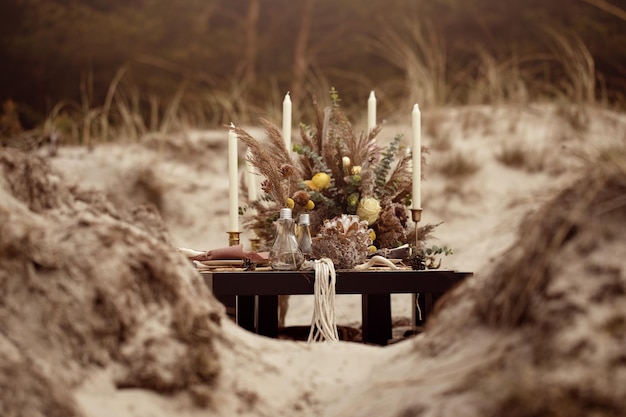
256, 294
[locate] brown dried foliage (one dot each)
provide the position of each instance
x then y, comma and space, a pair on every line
386, 176
272, 160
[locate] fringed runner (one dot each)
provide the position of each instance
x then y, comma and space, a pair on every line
419, 309
324, 323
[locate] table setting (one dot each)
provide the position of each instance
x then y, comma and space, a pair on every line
333, 212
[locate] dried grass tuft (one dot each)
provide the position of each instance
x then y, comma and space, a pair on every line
457, 166
520, 157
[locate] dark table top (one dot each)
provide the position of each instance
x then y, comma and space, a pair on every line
373, 281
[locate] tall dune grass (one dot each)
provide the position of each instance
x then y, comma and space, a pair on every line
579, 81
498, 82
128, 114
419, 51
411, 45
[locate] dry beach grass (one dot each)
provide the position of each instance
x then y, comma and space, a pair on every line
101, 316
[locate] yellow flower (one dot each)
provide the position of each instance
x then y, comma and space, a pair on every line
290, 203
311, 186
368, 210
372, 234
309, 205
355, 170
321, 180
372, 248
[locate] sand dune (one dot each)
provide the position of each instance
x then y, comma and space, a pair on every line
101, 316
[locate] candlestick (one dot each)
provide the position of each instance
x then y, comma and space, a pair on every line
287, 122
371, 112
417, 157
250, 178
416, 215
234, 238
233, 184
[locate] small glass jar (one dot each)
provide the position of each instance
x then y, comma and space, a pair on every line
285, 254
303, 235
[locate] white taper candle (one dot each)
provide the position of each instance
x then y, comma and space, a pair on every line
371, 112
287, 122
417, 157
233, 183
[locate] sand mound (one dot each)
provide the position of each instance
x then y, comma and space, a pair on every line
542, 334
85, 287
181, 176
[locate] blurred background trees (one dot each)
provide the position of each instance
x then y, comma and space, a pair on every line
236, 59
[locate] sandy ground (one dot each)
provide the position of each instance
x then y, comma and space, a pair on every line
185, 177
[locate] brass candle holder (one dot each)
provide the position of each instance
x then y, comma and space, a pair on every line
233, 238
416, 215
255, 243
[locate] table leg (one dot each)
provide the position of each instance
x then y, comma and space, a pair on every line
376, 313
246, 308
267, 315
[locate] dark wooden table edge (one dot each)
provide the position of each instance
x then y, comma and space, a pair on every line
257, 307
348, 282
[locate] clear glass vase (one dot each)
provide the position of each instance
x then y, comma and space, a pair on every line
285, 254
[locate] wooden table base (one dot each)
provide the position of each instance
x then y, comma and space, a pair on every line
256, 294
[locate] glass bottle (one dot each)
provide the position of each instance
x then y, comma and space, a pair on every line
285, 254
303, 235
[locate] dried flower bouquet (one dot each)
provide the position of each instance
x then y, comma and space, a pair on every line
333, 172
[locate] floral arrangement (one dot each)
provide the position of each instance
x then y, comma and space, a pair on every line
333, 172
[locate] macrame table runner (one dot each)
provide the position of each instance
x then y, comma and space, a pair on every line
324, 322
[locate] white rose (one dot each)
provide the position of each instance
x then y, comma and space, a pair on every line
368, 210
